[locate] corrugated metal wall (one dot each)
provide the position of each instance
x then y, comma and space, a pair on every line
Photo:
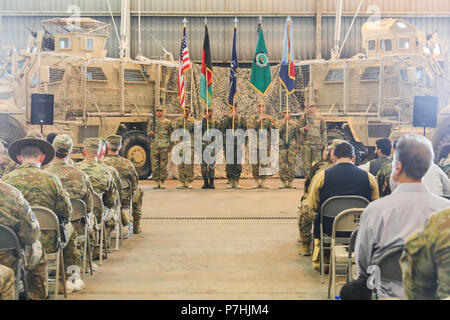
163, 20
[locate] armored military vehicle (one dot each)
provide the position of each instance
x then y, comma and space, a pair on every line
372, 95
94, 96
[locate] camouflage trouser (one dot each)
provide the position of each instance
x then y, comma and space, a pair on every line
258, 165
137, 208
37, 278
310, 154
159, 157
234, 169
6, 283
208, 170
186, 170
305, 221
287, 164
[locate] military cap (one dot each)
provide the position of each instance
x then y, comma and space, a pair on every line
33, 138
114, 141
334, 143
63, 144
208, 109
160, 108
92, 143
312, 103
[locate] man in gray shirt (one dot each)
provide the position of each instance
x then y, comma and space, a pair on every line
386, 222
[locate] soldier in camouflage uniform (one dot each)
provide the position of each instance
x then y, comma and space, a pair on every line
161, 145
288, 149
445, 165
425, 261
15, 213
101, 178
186, 169
260, 122
313, 131
306, 217
44, 189
233, 169
6, 283
384, 174
75, 182
208, 170
127, 171
4, 157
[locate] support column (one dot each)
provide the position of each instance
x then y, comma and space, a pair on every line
318, 28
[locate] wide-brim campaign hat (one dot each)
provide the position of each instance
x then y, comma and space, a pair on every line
46, 149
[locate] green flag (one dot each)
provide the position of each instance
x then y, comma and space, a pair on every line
206, 77
260, 79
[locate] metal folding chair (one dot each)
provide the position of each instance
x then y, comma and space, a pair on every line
351, 248
389, 264
126, 184
79, 213
344, 223
48, 221
10, 241
330, 209
101, 239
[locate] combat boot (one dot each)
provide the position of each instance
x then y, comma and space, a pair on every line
157, 185
182, 186
205, 183
161, 185
262, 184
231, 185
136, 228
211, 183
124, 218
189, 186
257, 184
305, 250
316, 255
283, 185
290, 186
236, 184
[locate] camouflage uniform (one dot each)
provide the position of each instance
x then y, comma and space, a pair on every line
267, 124
6, 164
208, 170
425, 261
186, 170
6, 283
233, 170
288, 150
383, 177
312, 140
127, 171
445, 166
15, 213
160, 148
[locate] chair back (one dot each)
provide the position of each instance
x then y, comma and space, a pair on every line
9, 240
346, 222
335, 205
98, 202
79, 209
48, 220
351, 245
389, 265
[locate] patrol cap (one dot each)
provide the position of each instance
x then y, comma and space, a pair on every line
114, 141
312, 103
92, 143
159, 108
33, 138
63, 144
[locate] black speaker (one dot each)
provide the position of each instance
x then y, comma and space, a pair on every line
425, 111
42, 106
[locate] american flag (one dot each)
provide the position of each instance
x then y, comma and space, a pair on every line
185, 64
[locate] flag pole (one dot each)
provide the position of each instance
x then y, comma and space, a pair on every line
232, 126
207, 89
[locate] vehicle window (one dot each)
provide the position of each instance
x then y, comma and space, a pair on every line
64, 43
372, 45
371, 73
89, 44
388, 44
335, 75
403, 43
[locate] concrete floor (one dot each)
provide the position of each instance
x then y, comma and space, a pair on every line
213, 258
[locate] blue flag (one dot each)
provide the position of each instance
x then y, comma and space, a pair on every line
287, 70
234, 66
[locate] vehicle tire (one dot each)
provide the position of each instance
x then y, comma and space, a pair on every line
360, 150
136, 148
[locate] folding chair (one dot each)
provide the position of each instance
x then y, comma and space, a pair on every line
102, 243
9, 241
390, 270
80, 213
351, 248
126, 184
48, 221
330, 209
344, 223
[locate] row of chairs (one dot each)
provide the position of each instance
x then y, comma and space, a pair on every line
346, 212
48, 221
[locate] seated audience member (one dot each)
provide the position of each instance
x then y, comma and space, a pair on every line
6, 283
386, 222
445, 165
341, 180
426, 260
382, 151
437, 181
384, 175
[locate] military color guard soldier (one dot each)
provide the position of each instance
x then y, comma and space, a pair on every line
186, 169
233, 121
160, 133
313, 131
208, 170
288, 149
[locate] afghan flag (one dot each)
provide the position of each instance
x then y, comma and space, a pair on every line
234, 66
287, 70
207, 75
260, 78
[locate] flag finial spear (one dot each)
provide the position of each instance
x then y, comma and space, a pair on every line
206, 20
235, 21
289, 19
184, 21
260, 19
